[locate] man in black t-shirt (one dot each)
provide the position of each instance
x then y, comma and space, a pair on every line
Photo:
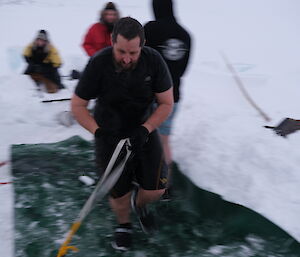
126, 79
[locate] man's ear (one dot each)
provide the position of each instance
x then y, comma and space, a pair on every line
111, 40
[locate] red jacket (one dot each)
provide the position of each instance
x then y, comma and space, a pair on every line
97, 37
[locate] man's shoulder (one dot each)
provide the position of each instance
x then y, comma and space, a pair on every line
165, 25
28, 49
51, 47
151, 56
30, 45
150, 52
98, 26
150, 24
184, 31
160, 22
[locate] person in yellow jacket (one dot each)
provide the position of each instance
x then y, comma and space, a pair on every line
43, 62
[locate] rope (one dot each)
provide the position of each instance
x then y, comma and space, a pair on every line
105, 184
242, 88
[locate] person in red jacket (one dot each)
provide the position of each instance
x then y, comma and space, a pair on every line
98, 35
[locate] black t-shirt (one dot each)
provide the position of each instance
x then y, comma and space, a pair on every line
124, 99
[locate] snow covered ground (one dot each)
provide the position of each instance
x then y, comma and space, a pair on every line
218, 141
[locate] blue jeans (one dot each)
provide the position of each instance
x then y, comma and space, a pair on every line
166, 126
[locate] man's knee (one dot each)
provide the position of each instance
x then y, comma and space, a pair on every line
146, 196
120, 202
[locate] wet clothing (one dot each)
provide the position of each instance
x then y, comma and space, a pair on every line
148, 168
170, 39
124, 99
97, 38
43, 62
124, 102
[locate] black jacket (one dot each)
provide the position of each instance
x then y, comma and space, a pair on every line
171, 40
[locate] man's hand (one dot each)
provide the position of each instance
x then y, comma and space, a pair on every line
138, 138
287, 126
100, 132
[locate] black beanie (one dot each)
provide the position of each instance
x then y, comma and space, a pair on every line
42, 34
110, 6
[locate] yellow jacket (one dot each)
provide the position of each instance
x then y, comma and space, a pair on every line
52, 57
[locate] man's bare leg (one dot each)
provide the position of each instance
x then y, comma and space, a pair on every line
121, 207
148, 196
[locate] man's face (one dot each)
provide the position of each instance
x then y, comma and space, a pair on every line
126, 52
110, 16
40, 42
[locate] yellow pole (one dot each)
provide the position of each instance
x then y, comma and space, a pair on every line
65, 246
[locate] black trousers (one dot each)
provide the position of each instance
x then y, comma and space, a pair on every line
148, 168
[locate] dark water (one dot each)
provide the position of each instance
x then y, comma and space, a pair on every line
49, 196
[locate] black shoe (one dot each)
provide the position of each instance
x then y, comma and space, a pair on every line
146, 218
123, 239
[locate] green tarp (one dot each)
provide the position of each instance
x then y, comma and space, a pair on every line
49, 196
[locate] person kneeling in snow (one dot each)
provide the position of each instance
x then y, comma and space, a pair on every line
43, 63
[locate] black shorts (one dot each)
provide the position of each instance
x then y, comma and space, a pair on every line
147, 168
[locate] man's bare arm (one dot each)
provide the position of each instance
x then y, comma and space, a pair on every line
82, 114
165, 105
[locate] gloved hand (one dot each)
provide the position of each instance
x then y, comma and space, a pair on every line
100, 132
138, 138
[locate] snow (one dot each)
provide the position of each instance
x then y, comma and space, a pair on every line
219, 140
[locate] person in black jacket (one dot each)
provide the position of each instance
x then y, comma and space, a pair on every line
173, 42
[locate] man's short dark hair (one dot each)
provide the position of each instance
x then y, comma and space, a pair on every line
129, 28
